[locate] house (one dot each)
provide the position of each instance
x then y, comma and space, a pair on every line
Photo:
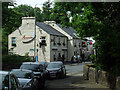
74, 43
45, 41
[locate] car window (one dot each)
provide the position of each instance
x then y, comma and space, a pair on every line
33, 67
54, 65
5, 81
23, 74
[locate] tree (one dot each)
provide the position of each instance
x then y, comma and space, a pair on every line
100, 20
46, 11
10, 21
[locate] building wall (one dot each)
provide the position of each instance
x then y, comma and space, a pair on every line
21, 48
57, 48
71, 41
43, 51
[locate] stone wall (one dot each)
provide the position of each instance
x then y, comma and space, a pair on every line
101, 77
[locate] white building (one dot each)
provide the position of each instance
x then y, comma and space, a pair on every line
51, 43
74, 43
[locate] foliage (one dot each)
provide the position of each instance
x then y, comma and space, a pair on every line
100, 20
10, 21
93, 58
13, 61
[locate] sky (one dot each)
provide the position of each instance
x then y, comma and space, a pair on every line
32, 3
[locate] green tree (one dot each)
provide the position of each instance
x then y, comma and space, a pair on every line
100, 20
10, 21
46, 11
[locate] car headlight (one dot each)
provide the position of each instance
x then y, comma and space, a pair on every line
28, 85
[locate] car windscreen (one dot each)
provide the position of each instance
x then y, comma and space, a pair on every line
5, 80
23, 74
3, 76
32, 67
54, 65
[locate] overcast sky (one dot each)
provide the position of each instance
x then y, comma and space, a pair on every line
32, 2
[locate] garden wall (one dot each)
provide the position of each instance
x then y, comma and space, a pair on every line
101, 77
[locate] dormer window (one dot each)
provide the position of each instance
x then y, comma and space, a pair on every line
13, 41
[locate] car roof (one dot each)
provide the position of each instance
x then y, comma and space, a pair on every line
21, 70
4, 72
56, 62
27, 62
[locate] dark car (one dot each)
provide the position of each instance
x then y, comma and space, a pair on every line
37, 70
9, 81
56, 69
44, 63
26, 78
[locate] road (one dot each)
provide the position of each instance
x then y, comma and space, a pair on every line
74, 79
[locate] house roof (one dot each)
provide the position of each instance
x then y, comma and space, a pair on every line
68, 30
49, 29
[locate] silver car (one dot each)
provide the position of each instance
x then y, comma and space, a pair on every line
9, 81
26, 78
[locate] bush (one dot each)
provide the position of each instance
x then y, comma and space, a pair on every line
13, 61
93, 58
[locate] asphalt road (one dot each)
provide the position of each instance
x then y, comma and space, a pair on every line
74, 79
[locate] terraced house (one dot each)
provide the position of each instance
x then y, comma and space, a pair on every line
46, 41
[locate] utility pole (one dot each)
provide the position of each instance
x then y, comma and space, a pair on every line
35, 50
35, 35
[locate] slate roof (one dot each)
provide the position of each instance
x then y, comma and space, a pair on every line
49, 29
68, 30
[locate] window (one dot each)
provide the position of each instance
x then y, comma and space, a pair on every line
54, 42
59, 41
42, 41
64, 42
79, 45
13, 41
5, 81
54, 57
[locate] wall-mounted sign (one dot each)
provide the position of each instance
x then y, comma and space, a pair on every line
27, 37
31, 49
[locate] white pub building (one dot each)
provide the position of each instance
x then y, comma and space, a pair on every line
47, 41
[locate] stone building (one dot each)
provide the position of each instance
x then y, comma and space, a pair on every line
47, 41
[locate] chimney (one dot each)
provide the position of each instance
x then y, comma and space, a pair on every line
50, 22
28, 20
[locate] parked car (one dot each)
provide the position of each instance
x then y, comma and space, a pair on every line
37, 70
44, 63
56, 69
26, 78
9, 81
76, 59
